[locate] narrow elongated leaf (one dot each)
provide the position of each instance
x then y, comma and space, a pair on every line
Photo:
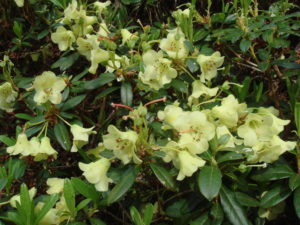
123, 186
275, 196
148, 214
163, 176
297, 117
274, 172
69, 195
103, 79
297, 202
3, 182
234, 211
71, 103
126, 94
294, 181
66, 62
136, 216
87, 190
47, 206
62, 135
210, 181
246, 200
6, 140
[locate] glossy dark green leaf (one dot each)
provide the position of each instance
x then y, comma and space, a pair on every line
85, 189
229, 156
245, 45
107, 92
123, 185
192, 64
126, 93
200, 34
148, 214
62, 135
297, 201
210, 181
246, 200
217, 214
6, 140
71, 103
163, 176
102, 80
294, 181
201, 220
69, 195
3, 182
276, 171
65, 62
136, 216
233, 210
96, 221
275, 196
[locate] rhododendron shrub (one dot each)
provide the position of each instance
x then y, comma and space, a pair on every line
127, 116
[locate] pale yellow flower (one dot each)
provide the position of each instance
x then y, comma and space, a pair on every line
7, 97
80, 136
128, 38
101, 6
20, 3
16, 198
95, 173
98, 56
200, 89
86, 45
188, 164
48, 87
64, 38
51, 217
55, 185
22, 146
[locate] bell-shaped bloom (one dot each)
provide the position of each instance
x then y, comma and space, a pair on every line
174, 44
48, 87
270, 151
95, 173
71, 12
20, 3
16, 198
209, 65
200, 89
7, 97
194, 142
229, 111
103, 30
80, 136
101, 6
55, 185
22, 146
98, 56
86, 45
128, 38
51, 217
169, 115
64, 38
256, 128
158, 70
123, 144
188, 164
45, 150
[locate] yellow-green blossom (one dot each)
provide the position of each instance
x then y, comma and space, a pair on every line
64, 38
22, 146
123, 144
230, 111
188, 164
169, 115
51, 217
80, 136
7, 97
86, 45
128, 38
158, 70
101, 6
55, 185
209, 65
174, 44
103, 30
48, 87
45, 150
16, 198
95, 173
270, 151
97, 56
20, 3
200, 89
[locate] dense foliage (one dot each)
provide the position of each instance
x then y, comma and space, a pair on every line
149, 112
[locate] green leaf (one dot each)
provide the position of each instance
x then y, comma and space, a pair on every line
128, 2
126, 93
229, 156
234, 211
62, 135
17, 28
6, 140
297, 202
16, 168
163, 176
244, 91
275, 196
26, 206
136, 216
245, 45
57, 3
106, 92
297, 117
71, 103
95, 221
65, 62
52, 199
200, 34
276, 171
192, 65
3, 182
201, 220
294, 181
124, 184
210, 181
24, 116
102, 80
246, 200
217, 214
148, 214
69, 195
83, 204
87, 190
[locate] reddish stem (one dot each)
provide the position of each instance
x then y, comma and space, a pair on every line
155, 101
121, 106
